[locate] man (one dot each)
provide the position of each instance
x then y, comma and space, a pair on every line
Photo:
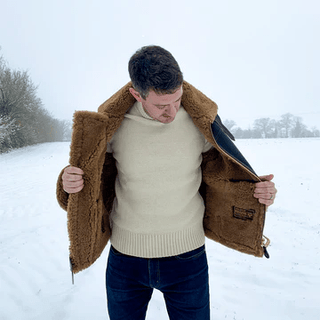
157, 172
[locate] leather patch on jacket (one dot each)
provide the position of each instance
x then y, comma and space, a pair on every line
243, 214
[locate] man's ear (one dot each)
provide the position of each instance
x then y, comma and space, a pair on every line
136, 94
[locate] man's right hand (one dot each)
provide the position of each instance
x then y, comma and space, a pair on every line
72, 179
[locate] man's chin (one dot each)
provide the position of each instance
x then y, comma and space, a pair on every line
167, 119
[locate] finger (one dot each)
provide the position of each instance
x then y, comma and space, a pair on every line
72, 174
267, 177
266, 201
72, 184
265, 184
72, 177
265, 190
265, 196
73, 170
73, 190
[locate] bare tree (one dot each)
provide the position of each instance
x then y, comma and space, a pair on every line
299, 129
17, 103
287, 126
286, 123
67, 130
23, 119
230, 124
315, 132
265, 126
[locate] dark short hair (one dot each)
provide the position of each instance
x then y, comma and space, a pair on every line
154, 68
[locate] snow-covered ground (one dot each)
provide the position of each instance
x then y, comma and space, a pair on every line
35, 280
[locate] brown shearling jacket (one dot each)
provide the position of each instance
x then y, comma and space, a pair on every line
233, 217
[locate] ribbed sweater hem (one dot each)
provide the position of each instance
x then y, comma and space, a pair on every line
157, 245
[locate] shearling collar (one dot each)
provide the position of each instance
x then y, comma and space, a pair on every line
199, 107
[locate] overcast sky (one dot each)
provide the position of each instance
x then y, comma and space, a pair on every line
253, 58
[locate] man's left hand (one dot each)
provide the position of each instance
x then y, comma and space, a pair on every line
265, 190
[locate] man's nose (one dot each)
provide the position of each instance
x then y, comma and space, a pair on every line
171, 110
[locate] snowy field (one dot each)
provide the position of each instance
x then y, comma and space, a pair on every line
35, 280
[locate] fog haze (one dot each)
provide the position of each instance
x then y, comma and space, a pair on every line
254, 59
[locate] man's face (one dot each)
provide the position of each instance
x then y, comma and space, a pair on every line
162, 108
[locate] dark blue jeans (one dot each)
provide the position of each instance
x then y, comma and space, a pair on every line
182, 279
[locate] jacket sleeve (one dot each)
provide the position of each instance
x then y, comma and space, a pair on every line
62, 196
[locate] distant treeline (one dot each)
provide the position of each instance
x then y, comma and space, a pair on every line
289, 126
23, 119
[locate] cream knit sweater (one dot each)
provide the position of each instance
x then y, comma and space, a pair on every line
158, 211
